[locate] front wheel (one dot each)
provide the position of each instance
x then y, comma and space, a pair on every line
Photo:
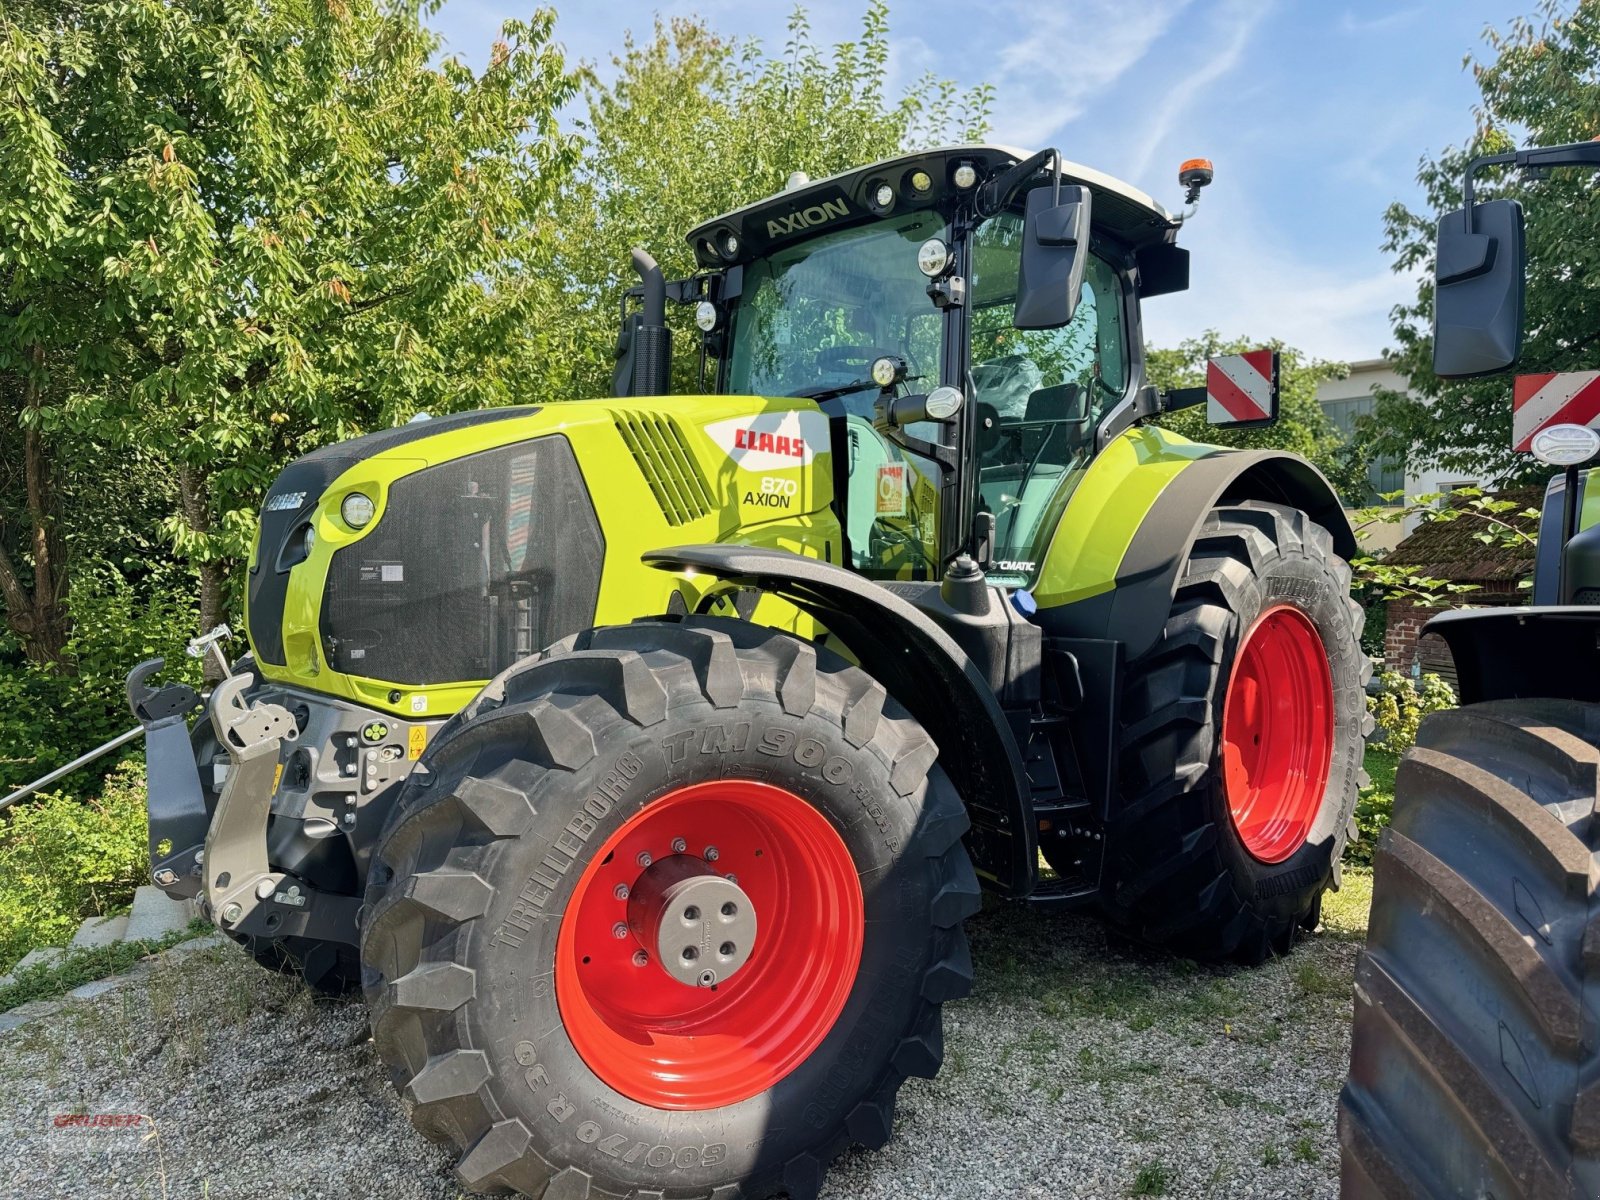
672, 910
1242, 736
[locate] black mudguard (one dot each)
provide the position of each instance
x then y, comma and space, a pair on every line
1523, 653
1135, 610
923, 669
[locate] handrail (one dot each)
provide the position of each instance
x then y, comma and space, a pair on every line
122, 739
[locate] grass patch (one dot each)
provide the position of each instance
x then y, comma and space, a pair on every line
1344, 913
45, 981
1270, 1157
1153, 1179
1315, 981
1304, 1151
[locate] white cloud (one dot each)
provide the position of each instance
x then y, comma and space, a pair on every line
1231, 27
1070, 56
1350, 23
1249, 282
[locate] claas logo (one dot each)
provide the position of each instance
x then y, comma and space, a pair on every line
773, 443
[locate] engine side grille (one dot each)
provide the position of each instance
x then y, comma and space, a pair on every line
657, 445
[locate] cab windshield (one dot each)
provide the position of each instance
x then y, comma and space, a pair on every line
813, 317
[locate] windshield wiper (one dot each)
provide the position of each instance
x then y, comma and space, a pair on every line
831, 393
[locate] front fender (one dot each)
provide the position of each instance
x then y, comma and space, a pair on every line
924, 670
1113, 565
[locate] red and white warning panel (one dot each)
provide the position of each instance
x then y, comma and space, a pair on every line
1242, 388
1559, 398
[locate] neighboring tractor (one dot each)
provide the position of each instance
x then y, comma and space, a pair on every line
1475, 1068
635, 756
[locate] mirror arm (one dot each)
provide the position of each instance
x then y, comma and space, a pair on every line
1181, 398
997, 192
1534, 158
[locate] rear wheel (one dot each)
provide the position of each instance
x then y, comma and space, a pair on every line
1241, 742
672, 909
1474, 1069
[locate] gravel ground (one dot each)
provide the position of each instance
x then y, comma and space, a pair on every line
1077, 1069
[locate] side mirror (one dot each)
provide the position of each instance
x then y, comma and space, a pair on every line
1478, 290
1242, 389
1055, 251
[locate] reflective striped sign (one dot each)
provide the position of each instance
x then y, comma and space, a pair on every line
1559, 398
1241, 387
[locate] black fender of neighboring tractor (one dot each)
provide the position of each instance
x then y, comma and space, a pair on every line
1523, 653
923, 668
1136, 609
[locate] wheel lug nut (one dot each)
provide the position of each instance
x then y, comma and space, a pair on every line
619, 930
620, 891
712, 854
641, 958
644, 859
679, 845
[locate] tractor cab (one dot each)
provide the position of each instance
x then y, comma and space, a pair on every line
967, 317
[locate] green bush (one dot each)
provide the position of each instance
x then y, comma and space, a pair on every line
49, 716
1373, 806
1400, 705
63, 859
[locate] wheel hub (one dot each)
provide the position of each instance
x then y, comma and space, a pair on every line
695, 924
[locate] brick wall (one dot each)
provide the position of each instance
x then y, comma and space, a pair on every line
1405, 622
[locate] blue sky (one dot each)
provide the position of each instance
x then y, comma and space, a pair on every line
1314, 112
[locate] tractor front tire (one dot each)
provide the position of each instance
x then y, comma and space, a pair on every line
1242, 735
673, 910
1474, 1069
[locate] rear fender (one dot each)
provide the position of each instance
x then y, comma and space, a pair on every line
1523, 653
923, 668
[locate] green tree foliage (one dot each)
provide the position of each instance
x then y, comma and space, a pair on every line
1540, 85
1302, 426
694, 124
231, 230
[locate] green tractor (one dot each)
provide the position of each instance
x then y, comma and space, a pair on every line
641, 758
1475, 1059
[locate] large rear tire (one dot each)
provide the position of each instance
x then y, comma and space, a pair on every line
1241, 743
1474, 1068
546, 1028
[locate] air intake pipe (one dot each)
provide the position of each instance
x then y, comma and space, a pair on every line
644, 343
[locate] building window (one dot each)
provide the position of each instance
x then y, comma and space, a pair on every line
1383, 475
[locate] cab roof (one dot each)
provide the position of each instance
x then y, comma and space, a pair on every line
848, 198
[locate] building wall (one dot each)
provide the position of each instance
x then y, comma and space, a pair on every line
1339, 397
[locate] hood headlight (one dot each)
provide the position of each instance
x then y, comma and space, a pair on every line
357, 510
